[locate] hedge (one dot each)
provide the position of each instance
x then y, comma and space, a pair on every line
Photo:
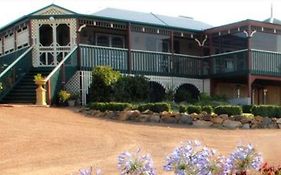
247, 108
208, 109
190, 109
267, 111
155, 107
228, 109
110, 106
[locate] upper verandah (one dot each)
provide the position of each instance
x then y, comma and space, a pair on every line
150, 19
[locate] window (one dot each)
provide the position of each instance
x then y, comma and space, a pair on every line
103, 40
108, 40
117, 42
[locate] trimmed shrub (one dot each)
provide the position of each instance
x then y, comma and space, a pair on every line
155, 107
208, 109
182, 108
111, 106
104, 78
131, 89
194, 109
228, 109
247, 108
267, 110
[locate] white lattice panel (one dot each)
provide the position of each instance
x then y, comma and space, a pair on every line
86, 83
9, 43
53, 10
71, 22
22, 37
174, 82
73, 85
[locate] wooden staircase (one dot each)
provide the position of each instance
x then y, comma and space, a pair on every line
24, 91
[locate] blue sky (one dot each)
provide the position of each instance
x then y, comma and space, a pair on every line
214, 12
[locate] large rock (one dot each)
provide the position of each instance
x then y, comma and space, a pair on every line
167, 119
196, 116
155, 118
278, 121
207, 117
224, 116
124, 115
134, 114
266, 122
202, 124
166, 114
185, 119
110, 114
217, 120
245, 120
246, 126
231, 124
143, 118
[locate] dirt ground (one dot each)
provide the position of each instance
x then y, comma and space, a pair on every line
54, 141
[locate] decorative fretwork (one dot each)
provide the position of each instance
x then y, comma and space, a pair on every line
53, 10
138, 28
103, 24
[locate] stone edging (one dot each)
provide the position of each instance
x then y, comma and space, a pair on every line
202, 120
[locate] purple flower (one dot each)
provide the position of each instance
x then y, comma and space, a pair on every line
135, 164
244, 158
192, 158
88, 171
85, 171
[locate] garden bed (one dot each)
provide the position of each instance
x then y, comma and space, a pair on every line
202, 120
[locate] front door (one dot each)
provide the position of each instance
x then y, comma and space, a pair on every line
54, 43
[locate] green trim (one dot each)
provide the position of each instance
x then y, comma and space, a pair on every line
28, 16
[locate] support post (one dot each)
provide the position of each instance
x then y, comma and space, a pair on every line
172, 51
129, 66
250, 79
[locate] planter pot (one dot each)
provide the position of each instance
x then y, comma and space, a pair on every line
71, 103
40, 82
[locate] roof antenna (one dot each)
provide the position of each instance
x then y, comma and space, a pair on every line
271, 14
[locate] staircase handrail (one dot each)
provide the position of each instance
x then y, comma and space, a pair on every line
60, 64
15, 62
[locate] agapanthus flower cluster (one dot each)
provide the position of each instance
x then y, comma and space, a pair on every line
192, 158
89, 171
245, 158
135, 164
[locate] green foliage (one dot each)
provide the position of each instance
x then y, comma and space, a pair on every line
131, 89
190, 109
38, 77
247, 108
208, 109
64, 96
104, 79
267, 110
194, 109
111, 106
228, 109
182, 108
1, 87
155, 107
170, 93
205, 99
183, 95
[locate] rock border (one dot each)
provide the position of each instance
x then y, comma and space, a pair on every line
202, 120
